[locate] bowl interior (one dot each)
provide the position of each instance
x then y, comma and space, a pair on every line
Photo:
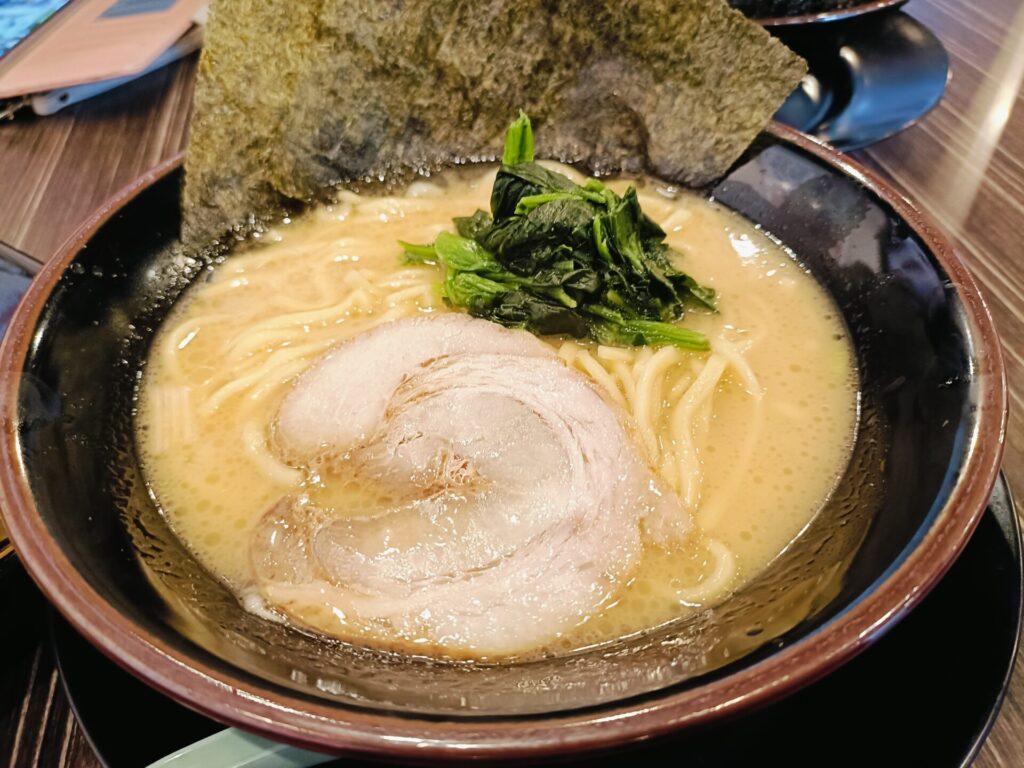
916, 421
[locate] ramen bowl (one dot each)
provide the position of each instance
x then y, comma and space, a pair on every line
929, 439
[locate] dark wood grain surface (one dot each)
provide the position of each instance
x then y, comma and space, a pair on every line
964, 164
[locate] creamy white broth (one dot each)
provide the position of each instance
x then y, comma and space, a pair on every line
767, 446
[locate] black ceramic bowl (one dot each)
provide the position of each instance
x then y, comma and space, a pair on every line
788, 13
925, 460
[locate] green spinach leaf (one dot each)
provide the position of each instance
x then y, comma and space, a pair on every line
556, 257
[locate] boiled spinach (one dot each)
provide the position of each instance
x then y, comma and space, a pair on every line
556, 257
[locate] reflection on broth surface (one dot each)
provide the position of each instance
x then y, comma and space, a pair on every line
740, 447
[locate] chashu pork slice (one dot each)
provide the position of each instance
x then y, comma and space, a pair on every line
340, 400
516, 495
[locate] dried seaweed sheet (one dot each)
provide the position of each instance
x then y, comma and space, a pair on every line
295, 98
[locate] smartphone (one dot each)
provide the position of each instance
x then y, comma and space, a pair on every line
19, 18
51, 44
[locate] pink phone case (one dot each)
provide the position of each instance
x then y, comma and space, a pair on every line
92, 40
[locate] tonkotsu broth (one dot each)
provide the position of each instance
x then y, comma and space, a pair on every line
761, 468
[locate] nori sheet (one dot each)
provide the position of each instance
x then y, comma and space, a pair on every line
296, 98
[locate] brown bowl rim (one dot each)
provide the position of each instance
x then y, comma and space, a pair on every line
280, 715
823, 17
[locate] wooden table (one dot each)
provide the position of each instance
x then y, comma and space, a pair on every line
964, 164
